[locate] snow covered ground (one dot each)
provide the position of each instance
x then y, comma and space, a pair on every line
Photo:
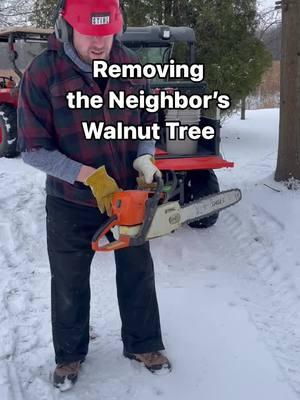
229, 296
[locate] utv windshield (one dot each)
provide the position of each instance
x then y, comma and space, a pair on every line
26, 52
152, 55
158, 54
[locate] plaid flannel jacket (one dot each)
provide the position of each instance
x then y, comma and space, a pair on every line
44, 119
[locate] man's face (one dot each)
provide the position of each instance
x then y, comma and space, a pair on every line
91, 48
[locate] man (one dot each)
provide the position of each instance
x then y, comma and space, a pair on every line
82, 176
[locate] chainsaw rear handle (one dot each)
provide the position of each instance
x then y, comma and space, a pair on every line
102, 231
124, 240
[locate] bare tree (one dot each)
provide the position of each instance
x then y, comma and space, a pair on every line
15, 12
268, 18
288, 164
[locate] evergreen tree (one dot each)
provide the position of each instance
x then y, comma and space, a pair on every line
234, 57
228, 46
137, 12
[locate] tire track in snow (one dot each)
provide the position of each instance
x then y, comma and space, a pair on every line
21, 259
12, 381
272, 299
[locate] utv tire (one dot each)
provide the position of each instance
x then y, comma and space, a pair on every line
199, 184
8, 131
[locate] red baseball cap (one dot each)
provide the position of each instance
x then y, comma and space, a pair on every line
94, 17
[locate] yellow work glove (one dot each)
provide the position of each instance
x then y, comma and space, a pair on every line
103, 187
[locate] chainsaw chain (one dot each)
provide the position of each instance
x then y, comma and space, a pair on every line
212, 212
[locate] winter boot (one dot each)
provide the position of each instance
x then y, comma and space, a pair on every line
154, 361
65, 375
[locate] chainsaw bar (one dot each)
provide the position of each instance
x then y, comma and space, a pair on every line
170, 216
209, 205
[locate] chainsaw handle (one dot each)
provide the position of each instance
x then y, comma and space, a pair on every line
160, 183
151, 207
102, 231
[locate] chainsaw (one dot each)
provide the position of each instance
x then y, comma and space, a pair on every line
141, 215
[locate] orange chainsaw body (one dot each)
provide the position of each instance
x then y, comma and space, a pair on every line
129, 207
128, 210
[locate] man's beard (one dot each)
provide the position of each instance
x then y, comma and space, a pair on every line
90, 60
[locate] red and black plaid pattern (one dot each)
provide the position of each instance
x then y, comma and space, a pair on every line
44, 119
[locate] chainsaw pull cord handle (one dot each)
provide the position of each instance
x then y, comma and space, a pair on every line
172, 191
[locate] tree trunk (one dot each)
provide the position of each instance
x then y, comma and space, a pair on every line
288, 163
243, 108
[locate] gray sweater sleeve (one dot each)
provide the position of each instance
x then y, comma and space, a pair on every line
57, 164
53, 163
146, 147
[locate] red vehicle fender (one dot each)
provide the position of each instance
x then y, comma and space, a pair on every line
165, 162
9, 96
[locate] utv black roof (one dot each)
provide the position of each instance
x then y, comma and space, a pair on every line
158, 34
28, 34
